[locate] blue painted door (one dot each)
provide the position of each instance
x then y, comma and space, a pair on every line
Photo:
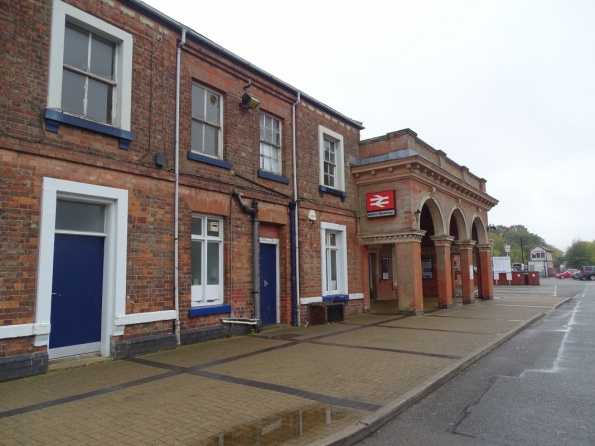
268, 284
77, 290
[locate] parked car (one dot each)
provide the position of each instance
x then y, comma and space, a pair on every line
564, 275
588, 273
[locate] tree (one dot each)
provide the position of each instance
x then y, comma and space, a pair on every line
580, 254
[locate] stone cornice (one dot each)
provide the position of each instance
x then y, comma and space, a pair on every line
442, 240
424, 171
465, 244
484, 248
397, 237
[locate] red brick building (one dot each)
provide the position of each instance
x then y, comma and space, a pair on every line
157, 190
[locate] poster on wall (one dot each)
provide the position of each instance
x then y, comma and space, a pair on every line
385, 275
426, 269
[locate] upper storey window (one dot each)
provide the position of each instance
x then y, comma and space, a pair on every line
90, 69
88, 77
270, 144
207, 109
331, 154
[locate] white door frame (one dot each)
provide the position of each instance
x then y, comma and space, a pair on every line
114, 275
274, 241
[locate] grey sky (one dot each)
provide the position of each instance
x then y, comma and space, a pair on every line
506, 88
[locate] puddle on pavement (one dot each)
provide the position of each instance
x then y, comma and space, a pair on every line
281, 427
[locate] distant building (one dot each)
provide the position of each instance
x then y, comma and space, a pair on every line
541, 260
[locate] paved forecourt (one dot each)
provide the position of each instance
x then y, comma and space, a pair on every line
328, 384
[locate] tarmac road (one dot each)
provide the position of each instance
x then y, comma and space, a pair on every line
536, 389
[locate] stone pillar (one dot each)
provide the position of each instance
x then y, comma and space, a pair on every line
410, 291
484, 269
444, 273
466, 251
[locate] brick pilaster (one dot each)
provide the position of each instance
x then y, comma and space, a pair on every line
444, 270
466, 252
484, 269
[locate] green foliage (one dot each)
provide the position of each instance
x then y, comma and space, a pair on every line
580, 254
515, 236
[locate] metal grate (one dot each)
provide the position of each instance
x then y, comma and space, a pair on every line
325, 313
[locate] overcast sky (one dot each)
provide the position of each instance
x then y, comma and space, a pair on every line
506, 88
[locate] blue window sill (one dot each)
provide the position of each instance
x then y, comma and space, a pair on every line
53, 119
328, 190
273, 177
208, 160
206, 311
336, 298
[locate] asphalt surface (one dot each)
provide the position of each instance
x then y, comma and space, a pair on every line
330, 384
536, 389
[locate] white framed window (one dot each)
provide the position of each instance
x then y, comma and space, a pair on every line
270, 144
207, 260
331, 154
334, 259
207, 112
90, 67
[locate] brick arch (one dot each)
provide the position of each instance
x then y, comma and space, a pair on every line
478, 230
457, 218
436, 212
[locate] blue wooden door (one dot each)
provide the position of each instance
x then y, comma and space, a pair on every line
268, 284
77, 290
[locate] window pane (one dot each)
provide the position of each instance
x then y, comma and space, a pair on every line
213, 108
268, 135
102, 57
334, 268
196, 263
84, 217
73, 92
275, 125
262, 133
268, 122
274, 166
261, 119
212, 263
332, 239
99, 101
76, 47
197, 136
211, 140
198, 101
213, 228
196, 226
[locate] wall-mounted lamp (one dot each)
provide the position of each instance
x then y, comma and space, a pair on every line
417, 214
492, 228
250, 101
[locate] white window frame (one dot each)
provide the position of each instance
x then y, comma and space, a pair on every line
278, 148
121, 104
209, 123
324, 133
342, 277
199, 295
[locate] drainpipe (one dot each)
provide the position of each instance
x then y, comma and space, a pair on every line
296, 239
177, 191
254, 211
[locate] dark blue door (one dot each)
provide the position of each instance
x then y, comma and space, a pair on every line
268, 284
77, 289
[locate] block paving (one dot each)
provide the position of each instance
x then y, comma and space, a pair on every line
287, 385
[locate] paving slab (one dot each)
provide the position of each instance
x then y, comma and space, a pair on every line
323, 385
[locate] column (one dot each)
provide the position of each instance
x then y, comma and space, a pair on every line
466, 252
410, 290
484, 269
444, 273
